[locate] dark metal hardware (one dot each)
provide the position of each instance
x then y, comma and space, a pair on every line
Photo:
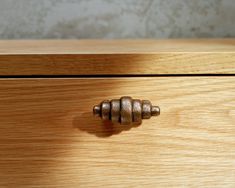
126, 110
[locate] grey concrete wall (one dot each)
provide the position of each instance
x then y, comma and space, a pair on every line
116, 18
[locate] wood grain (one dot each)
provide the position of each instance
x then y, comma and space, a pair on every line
49, 138
97, 57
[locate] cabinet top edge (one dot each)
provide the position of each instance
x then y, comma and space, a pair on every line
37, 47
117, 57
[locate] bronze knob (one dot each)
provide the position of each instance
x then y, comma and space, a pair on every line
126, 110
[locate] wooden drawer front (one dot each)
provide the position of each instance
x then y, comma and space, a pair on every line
49, 137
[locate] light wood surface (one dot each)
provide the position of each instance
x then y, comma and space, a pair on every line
49, 137
12, 47
92, 57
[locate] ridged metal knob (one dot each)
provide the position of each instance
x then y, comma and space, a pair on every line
126, 110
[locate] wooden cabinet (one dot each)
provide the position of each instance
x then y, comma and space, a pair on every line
50, 138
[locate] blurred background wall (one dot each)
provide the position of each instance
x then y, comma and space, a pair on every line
116, 18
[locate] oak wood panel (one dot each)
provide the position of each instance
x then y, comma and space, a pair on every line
49, 137
88, 57
115, 46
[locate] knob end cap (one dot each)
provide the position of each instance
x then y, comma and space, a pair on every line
155, 111
96, 110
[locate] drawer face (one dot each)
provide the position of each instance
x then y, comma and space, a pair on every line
49, 137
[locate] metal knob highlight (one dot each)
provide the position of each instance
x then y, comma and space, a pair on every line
126, 110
